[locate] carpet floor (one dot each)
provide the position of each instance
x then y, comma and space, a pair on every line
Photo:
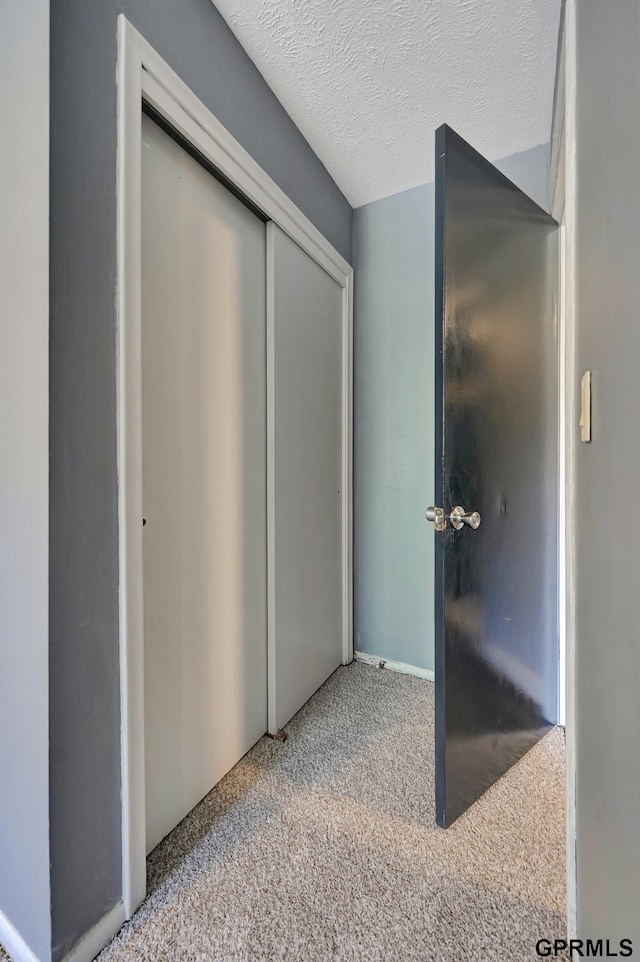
324, 847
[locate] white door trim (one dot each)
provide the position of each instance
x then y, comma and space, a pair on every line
271, 487
563, 199
570, 478
144, 75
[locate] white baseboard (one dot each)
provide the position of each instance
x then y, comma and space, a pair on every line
86, 949
378, 662
97, 937
13, 943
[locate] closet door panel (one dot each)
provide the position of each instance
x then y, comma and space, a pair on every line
204, 479
305, 344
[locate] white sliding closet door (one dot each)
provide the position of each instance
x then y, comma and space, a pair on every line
204, 479
305, 476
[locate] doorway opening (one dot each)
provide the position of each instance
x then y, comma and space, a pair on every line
394, 700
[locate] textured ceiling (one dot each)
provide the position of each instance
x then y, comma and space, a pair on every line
368, 81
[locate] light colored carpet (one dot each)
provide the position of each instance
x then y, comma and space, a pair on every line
325, 848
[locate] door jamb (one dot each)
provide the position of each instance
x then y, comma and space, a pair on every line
563, 203
143, 75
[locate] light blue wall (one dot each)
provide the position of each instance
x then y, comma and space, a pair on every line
394, 411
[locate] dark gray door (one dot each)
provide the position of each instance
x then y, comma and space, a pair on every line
496, 474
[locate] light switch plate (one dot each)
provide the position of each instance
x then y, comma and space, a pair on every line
585, 407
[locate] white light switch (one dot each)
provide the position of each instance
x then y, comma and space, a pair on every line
585, 407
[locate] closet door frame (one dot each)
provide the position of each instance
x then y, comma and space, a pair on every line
143, 76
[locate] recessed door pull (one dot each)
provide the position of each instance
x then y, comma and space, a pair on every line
458, 518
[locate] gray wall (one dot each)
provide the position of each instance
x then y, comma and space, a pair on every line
24, 468
608, 557
84, 682
394, 411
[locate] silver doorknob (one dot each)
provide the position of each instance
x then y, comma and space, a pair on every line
458, 518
